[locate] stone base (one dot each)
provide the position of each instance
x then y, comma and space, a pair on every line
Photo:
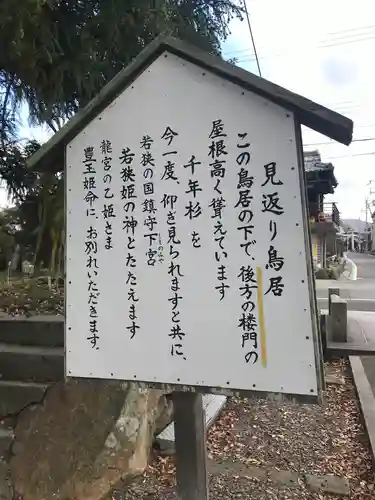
83, 438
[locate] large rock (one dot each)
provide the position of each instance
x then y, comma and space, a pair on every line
83, 438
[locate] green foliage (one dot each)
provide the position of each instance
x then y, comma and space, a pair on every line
322, 274
14, 173
9, 229
55, 55
38, 210
333, 272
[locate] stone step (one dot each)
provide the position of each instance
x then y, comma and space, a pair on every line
29, 363
42, 330
212, 404
6, 439
15, 396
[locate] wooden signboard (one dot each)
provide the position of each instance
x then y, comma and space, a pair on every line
188, 255
187, 252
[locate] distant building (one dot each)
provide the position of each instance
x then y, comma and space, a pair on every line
357, 234
324, 217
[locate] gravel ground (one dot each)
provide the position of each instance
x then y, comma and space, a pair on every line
252, 438
268, 436
28, 297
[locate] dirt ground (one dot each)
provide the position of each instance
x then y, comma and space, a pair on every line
259, 449
266, 450
29, 297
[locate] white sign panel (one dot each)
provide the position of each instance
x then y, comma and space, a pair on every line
186, 260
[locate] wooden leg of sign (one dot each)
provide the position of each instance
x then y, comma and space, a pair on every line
190, 444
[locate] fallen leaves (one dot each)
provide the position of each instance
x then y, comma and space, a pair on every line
262, 434
266, 435
30, 297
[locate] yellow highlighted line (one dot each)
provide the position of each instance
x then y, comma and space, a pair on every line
262, 330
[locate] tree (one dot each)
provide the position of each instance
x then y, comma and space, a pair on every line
38, 203
18, 179
57, 54
9, 227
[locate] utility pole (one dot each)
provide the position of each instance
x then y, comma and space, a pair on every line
369, 207
367, 228
251, 35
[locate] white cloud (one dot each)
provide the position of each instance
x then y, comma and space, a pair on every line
322, 50
304, 46
339, 71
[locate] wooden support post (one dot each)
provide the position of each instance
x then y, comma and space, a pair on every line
332, 291
339, 319
190, 444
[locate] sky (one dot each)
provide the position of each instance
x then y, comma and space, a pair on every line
41, 134
323, 50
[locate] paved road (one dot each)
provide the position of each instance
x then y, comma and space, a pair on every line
365, 265
365, 285
360, 293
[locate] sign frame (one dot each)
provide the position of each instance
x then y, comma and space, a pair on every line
171, 387
181, 49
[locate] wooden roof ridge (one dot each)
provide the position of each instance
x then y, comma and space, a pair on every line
307, 112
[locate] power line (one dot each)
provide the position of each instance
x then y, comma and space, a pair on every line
345, 42
334, 143
346, 35
370, 125
307, 131
252, 36
348, 156
371, 26
329, 41
325, 44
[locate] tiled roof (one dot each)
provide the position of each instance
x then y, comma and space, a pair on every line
313, 167
313, 162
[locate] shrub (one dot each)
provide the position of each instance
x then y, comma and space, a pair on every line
322, 274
